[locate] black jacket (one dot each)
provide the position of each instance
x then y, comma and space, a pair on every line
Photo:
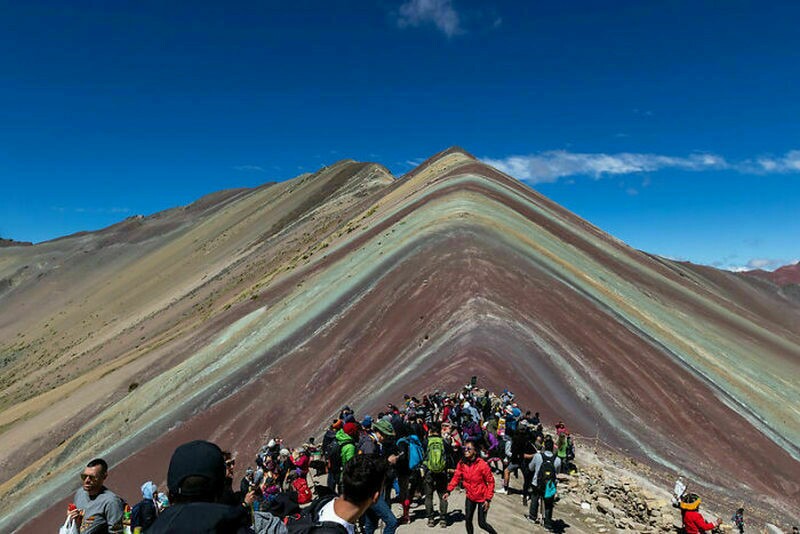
202, 518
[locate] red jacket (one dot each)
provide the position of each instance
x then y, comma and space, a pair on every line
478, 480
695, 523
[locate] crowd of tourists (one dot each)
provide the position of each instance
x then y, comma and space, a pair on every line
418, 450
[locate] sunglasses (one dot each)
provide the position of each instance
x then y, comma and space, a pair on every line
85, 476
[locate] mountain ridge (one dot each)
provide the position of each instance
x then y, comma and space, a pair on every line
454, 265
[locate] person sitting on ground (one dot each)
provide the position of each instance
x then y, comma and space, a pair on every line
145, 512
196, 480
362, 481
693, 520
478, 482
97, 509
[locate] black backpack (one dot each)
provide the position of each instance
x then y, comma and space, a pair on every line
547, 475
335, 459
308, 521
144, 514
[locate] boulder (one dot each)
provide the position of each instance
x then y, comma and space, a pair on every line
604, 505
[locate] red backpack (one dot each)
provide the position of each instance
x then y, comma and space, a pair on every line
304, 495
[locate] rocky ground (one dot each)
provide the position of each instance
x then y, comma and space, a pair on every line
610, 494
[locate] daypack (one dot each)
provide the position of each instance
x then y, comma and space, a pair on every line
309, 521
304, 495
335, 459
144, 514
367, 445
436, 460
547, 476
416, 454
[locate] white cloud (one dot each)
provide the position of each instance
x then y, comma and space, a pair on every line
554, 164
766, 264
81, 209
440, 13
249, 168
789, 162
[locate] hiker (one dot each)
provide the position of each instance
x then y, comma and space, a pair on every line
693, 520
738, 520
228, 495
144, 513
248, 481
342, 451
526, 453
362, 480
478, 482
562, 448
493, 452
436, 475
383, 444
545, 464
407, 467
196, 480
328, 441
517, 449
301, 460
97, 509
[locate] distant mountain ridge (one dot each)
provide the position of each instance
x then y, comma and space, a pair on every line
261, 311
782, 276
12, 243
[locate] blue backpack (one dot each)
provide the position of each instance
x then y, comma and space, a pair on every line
416, 454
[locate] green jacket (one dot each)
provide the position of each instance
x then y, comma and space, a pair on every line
347, 446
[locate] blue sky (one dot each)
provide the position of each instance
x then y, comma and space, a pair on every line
674, 126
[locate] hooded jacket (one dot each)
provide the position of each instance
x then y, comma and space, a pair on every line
695, 523
346, 445
477, 478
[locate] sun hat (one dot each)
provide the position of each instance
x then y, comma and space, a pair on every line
384, 427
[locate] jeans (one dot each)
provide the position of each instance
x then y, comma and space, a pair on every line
380, 511
469, 512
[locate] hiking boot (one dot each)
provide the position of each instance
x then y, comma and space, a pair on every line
443, 522
431, 522
502, 491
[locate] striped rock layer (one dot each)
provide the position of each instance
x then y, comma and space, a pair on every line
258, 312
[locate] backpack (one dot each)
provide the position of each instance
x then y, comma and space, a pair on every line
435, 461
547, 476
304, 495
367, 445
144, 514
308, 521
335, 459
416, 454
